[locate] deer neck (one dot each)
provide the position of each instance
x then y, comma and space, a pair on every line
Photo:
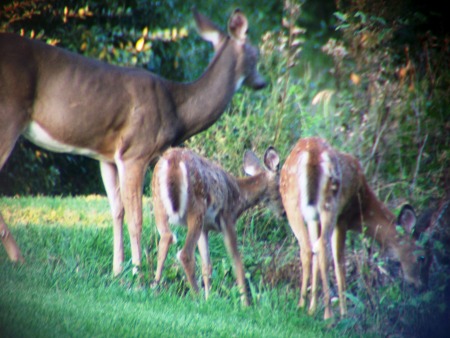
202, 102
252, 191
379, 220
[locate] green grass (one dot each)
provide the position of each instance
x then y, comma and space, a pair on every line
65, 288
33, 307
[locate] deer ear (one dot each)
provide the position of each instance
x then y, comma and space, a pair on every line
238, 25
407, 218
252, 165
207, 29
271, 159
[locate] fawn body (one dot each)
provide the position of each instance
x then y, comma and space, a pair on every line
325, 193
190, 190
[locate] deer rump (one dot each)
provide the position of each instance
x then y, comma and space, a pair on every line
319, 181
180, 179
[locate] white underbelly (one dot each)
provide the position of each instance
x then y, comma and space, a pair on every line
39, 136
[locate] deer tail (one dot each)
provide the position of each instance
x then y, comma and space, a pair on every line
174, 189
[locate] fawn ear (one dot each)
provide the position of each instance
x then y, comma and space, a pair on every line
207, 29
407, 218
252, 165
238, 25
271, 159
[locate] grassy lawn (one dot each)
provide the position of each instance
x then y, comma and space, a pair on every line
65, 288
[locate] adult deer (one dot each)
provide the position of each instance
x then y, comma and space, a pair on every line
327, 190
123, 117
190, 190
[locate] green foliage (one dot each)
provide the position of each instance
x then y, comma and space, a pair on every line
389, 102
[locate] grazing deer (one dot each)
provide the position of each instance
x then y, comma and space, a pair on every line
192, 191
326, 190
123, 117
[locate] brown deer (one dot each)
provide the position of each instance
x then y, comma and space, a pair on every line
123, 117
325, 193
190, 190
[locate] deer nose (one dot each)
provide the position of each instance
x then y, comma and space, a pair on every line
255, 81
421, 286
416, 283
260, 85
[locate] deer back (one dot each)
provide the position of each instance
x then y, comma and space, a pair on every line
187, 182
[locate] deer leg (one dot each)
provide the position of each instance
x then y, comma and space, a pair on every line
322, 262
328, 223
306, 258
300, 231
131, 176
166, 236
314, 283
111, 182
203, 247
8, 136
313, 229
186, 255
230, 237
9, 243
338, 248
